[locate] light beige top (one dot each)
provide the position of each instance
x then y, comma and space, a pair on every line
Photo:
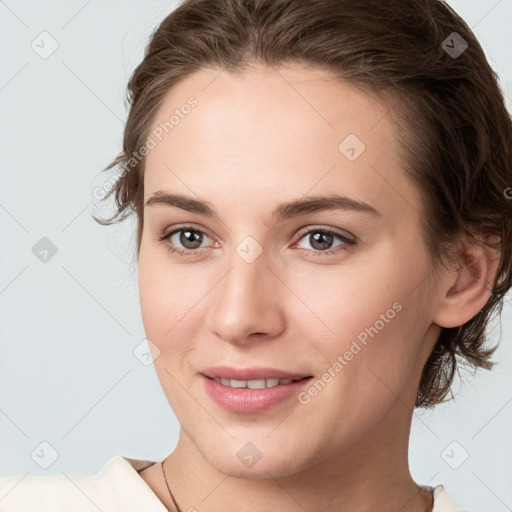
117, 487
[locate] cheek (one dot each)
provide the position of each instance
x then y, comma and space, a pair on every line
373, 322
364, 373
344, 300
166, 298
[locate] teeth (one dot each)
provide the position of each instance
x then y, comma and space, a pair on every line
253, 384
238, 383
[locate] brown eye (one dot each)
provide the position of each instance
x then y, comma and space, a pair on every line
321, 240
185, 241
190, 239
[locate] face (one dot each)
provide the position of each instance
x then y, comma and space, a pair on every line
335, 292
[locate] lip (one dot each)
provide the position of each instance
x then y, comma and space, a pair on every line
246, 400
253, 373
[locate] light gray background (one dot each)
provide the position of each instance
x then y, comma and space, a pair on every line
68, 374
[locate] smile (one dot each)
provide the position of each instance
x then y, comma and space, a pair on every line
254, 395
253, 384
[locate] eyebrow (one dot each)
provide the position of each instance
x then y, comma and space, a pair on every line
283, 211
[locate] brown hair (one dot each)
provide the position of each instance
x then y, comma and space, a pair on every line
455, 131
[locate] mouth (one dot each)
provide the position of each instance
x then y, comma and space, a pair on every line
254, 384
251, 390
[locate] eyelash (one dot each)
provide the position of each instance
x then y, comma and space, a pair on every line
164, 238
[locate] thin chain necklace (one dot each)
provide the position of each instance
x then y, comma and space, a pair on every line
168, 488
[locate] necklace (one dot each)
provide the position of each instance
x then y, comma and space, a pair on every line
168, 488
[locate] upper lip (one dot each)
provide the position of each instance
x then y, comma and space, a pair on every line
253, 373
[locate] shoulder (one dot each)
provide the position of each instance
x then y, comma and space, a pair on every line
443, 502
118, 484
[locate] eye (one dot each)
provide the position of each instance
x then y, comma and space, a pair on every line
189, 237
321, 239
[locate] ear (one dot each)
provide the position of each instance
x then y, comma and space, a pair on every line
467, 287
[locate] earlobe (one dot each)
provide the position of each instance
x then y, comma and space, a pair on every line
468, 286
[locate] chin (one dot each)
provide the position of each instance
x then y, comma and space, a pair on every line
259, 460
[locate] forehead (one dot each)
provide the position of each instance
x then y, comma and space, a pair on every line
277, 132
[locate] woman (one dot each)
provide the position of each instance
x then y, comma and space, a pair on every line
323, 233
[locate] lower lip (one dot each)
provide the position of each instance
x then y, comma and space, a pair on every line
249, 401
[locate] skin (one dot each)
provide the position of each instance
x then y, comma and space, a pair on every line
256, 139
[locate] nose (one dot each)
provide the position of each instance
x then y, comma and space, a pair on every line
247, 302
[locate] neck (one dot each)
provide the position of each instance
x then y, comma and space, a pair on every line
372, 475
